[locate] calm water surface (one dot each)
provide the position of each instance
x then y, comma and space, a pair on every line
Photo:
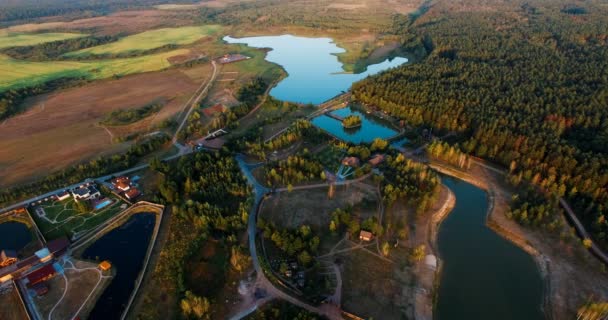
126, 248
484, 276
314, 72
370, 129
14, 235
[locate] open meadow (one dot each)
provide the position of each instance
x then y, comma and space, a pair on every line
150, 40
10, 39
17, 73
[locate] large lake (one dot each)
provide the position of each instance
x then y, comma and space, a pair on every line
314, 73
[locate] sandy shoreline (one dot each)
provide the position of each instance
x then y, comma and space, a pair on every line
570, 274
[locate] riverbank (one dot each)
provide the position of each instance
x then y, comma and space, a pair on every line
427, 276
570, 274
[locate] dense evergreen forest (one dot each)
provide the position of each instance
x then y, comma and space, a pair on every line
12, 10
527, 87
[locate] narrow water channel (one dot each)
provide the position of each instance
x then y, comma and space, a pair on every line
484, 276
126, 248
370, 129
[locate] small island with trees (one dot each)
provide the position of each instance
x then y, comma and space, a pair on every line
352, 121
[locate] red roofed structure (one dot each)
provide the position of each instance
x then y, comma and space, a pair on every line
41, 275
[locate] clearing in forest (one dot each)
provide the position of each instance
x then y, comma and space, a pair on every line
150, 40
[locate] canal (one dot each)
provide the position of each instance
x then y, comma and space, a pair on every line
125, 247
484, 276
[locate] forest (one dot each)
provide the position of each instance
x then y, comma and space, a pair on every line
209, 199
31, 9
55, 49
529, 96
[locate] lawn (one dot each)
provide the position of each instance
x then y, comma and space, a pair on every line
8, 40
16, 73
61, 218
150, 40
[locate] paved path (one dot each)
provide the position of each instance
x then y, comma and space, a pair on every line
262, 281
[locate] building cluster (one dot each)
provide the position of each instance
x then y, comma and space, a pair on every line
123, 185
35, 270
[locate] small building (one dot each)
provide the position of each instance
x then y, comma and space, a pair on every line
365, 235
86, 193
351, 161
43, 255
58, 247
63, 195
105, 265
376, 160
7, 257
122, 183
132, 194
41, 275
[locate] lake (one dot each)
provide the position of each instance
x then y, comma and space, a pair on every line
484, 276
314, 73
14, 235
370, 128
126, 248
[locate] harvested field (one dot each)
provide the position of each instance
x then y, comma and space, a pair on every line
150, 40
12, 308
61, 128
374, 288
129, 22
8, 40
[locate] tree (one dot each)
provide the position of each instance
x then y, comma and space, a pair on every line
587, 243
238, 260
418, 253
386, 248
304, 258
194, 306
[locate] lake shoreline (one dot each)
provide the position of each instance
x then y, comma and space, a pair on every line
505, 232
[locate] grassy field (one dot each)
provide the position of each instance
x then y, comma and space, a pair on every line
151, 40
9, 39
16, 73
61, 218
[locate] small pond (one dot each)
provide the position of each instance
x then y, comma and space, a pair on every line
126, 248
370, 129
314, 73
14, 235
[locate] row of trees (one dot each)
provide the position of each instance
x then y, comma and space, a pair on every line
127, 116
55, 49
11, 101
529, 96
94, 168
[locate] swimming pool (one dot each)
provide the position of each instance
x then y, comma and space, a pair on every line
103, 204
